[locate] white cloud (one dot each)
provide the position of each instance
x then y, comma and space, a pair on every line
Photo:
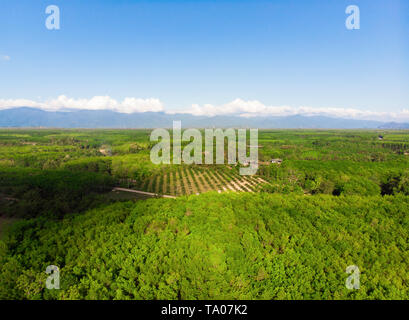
128, 105
251, 108
254, 108
5, 58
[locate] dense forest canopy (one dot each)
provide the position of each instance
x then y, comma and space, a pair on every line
229, 246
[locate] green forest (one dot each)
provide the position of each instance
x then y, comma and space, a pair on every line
335, 198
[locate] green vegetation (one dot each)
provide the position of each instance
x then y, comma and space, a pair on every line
217, 246
338, 198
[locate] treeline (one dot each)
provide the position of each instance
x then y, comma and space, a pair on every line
337, 178
50, 193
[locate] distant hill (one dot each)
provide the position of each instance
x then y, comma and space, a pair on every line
32, 117
394, 125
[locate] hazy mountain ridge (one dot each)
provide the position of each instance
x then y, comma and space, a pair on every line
32, 117
394, 125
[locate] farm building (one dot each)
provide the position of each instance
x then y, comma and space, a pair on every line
105, 150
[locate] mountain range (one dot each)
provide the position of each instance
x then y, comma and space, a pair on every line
32, 117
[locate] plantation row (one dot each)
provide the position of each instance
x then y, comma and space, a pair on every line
186, 180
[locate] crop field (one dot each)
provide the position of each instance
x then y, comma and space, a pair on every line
187, 180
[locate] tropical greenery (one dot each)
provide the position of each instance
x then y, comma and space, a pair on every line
338, 198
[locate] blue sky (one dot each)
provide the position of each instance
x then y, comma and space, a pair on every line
219, 56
